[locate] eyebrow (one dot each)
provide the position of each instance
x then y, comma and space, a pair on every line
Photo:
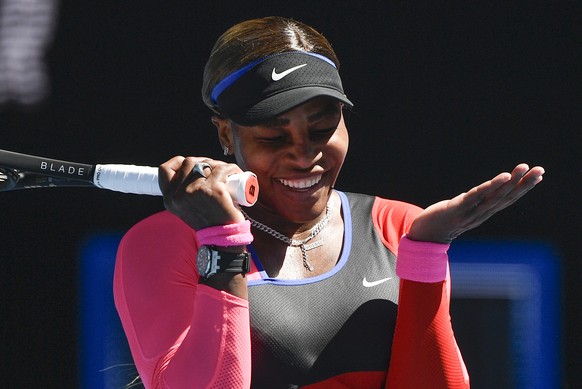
328, 110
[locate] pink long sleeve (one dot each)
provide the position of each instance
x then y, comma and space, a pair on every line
181, 334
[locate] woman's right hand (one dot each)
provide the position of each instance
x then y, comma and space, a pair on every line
198, 201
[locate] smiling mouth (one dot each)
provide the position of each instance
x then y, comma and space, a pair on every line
301, 183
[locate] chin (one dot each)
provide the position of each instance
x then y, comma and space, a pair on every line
305, 211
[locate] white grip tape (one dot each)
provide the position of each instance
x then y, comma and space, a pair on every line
144, 180
128, 179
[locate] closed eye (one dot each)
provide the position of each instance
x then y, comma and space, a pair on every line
272, 139
323, 133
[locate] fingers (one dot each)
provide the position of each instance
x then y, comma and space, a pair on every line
199, 169
483, 193
534, 176
169, 170
523, 179
445, 220
178, 172
500, 192
195, 189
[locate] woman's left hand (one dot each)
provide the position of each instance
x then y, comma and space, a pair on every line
444, 221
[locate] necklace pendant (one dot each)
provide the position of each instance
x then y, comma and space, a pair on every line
313, 245
306, 263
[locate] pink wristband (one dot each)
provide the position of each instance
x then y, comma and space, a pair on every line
237, 234
422, 261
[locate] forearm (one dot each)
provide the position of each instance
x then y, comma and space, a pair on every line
176, 327
212, 346
218, 351
424, 350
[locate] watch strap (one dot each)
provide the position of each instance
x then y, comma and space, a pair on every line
232, 262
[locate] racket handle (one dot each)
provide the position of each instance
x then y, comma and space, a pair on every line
243, 187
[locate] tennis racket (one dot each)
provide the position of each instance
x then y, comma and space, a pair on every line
23, 171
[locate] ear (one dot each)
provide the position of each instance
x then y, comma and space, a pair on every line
225, 135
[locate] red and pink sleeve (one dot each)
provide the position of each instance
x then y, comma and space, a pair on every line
181, 334
424, 350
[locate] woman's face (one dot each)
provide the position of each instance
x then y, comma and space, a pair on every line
296, 156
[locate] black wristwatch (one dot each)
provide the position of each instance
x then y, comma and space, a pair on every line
210, 261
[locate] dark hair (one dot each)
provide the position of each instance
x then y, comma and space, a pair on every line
257, 38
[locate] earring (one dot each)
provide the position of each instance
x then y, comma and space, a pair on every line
225, 150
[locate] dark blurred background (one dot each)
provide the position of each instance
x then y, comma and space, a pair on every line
447, 95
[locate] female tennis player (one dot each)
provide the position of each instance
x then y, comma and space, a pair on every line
312, 287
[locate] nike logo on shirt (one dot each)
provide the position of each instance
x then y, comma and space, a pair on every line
277, 76
369, 284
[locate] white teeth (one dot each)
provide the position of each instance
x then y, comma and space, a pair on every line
301, 184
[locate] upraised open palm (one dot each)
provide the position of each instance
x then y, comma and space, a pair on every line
444, 221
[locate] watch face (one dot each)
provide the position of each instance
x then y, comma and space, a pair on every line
203, 261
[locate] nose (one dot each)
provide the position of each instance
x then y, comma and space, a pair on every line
304, 153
